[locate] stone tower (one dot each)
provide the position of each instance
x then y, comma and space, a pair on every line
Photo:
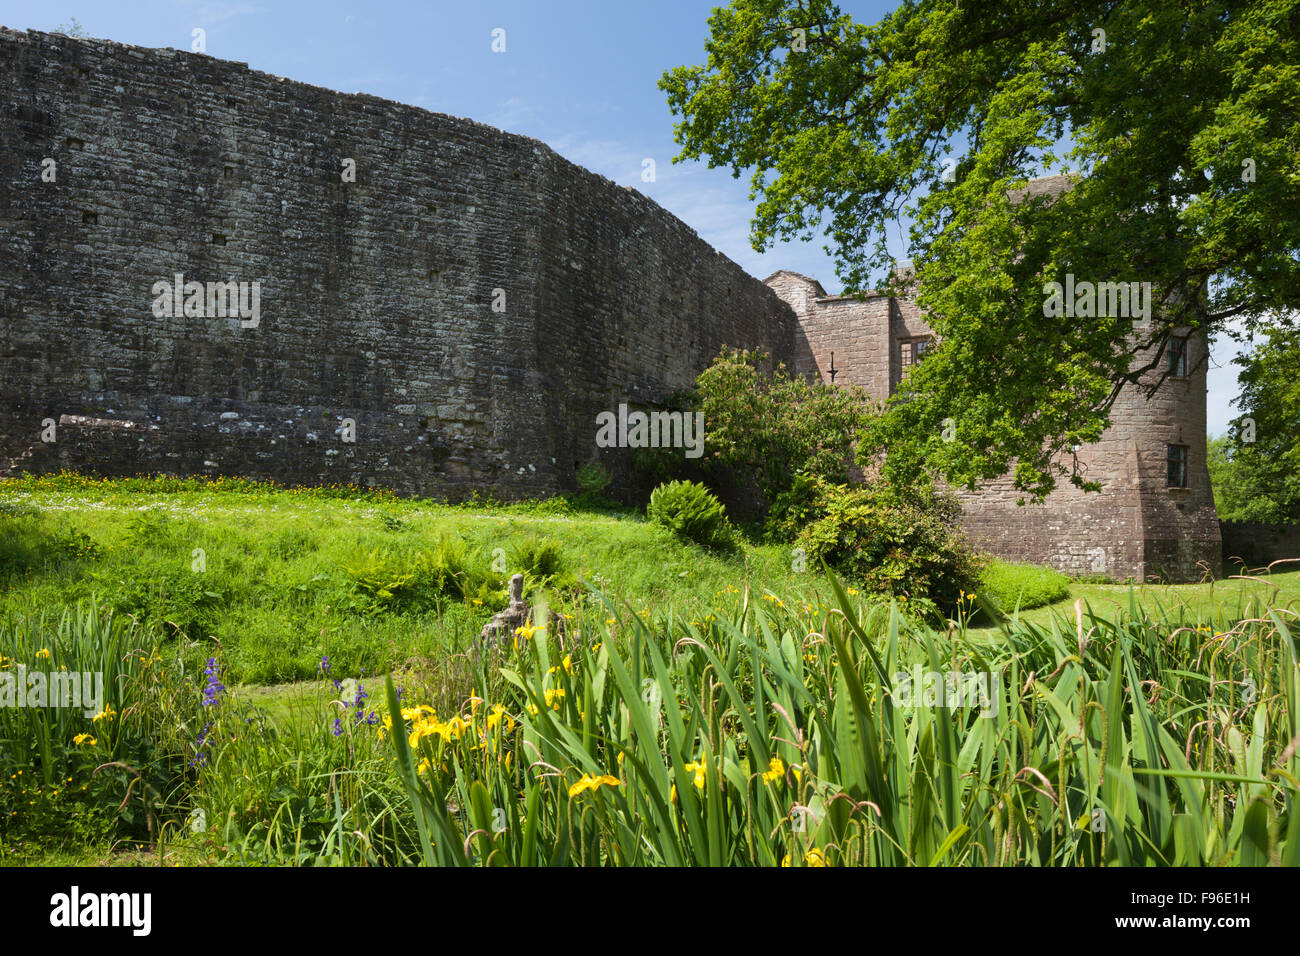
1154, 516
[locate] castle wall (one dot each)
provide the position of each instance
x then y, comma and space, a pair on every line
1259, 544
376, 295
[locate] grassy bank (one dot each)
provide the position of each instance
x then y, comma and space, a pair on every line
705, 707
278, 579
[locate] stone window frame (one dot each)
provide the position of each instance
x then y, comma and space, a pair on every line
1177, 456
907, 354
1176, 358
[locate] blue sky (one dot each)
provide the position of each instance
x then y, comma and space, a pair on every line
580, 75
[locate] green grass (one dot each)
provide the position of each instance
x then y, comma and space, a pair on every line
1220, 602
1023, 586
283, 584
703, 670
284, 579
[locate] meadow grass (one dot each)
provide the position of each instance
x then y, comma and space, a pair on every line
703, 707
278, 589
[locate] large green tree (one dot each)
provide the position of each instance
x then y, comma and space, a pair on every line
1255, 468
1181, 119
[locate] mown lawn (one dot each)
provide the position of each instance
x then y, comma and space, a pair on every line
1224, 601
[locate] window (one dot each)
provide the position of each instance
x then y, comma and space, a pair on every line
1178, 357
914, 350
1176, 461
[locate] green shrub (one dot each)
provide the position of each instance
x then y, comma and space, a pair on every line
793, 509
1026, 585
766, 426
690, 511
896, 543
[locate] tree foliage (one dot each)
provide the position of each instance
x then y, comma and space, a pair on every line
1182, 122
1255, 469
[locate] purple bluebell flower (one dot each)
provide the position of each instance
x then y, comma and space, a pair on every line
214, 686
201, 757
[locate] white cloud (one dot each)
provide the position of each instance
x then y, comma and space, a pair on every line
210, 12
513, 115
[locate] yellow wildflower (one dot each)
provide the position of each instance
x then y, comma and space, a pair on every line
426, 727
83, 739
591, 782
699, 769
106, 714
775, 770
814, 857
497, 716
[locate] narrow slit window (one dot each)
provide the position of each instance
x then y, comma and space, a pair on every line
1176, 460
1178, 357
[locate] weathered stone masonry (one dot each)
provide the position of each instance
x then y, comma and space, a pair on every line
376, 305
376, 295
1135, 527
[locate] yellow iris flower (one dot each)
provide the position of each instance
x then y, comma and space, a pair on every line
814, 857
592, 782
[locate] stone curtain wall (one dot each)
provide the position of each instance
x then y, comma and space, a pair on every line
376, 296
1259, 544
